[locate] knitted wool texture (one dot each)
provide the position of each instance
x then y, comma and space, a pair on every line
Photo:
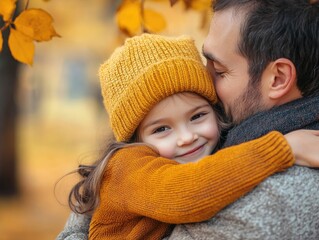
140, 198
144, 71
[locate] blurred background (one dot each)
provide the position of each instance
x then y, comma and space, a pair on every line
53, 117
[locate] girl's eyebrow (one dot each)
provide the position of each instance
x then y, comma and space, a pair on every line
157, 121
199, 107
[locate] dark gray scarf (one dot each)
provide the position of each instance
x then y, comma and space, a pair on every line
302, 113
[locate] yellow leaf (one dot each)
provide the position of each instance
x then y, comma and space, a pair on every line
7, 8
36, 23
160, 1
153, 21
200, 4
1, 41
128, 17
21, 46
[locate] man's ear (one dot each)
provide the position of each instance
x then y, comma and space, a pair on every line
282, 81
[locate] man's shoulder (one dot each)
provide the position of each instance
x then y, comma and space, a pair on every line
286, 189
282, 207
288, 201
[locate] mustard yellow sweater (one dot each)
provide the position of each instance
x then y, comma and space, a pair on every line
143, 194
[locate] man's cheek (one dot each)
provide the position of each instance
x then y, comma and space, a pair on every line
221, 91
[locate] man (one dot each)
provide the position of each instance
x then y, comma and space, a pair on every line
264, 55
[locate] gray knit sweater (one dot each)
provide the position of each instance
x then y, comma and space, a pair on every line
76, 228
285, 206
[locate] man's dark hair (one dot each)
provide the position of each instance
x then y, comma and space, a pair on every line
275, 29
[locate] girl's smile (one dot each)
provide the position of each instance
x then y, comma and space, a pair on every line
196, 153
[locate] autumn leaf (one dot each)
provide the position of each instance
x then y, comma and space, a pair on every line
153, 21
1, 41
194, 4
36, 23
200, 5
21, 46
7, 8
189, 2
128, 17
159, 1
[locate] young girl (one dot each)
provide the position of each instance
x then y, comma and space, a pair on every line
157, 92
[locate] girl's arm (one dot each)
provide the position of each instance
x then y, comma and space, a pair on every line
159, 188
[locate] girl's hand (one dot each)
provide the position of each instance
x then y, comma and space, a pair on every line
305, 146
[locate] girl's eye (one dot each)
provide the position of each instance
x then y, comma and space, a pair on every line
197, 116
161, 129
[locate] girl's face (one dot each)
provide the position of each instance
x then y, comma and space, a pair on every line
182, 127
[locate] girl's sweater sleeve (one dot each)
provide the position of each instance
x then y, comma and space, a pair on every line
142, 183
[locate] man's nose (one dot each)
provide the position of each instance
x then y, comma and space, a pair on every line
186, 137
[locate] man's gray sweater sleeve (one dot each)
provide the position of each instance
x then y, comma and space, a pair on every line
76, 228
284, 207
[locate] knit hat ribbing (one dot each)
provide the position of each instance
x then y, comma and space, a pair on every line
144, 71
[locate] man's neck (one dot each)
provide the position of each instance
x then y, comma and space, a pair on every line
300, 113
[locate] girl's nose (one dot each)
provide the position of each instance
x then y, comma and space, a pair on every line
186, 137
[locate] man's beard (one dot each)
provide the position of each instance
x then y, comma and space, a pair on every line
247, 104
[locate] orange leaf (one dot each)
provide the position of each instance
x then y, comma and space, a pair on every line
189, 2
128, 17
1, 41
21, 46
7, 8
160, 1
200, 4
154, 21
37, 24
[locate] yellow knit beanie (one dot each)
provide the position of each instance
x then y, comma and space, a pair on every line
144, 71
